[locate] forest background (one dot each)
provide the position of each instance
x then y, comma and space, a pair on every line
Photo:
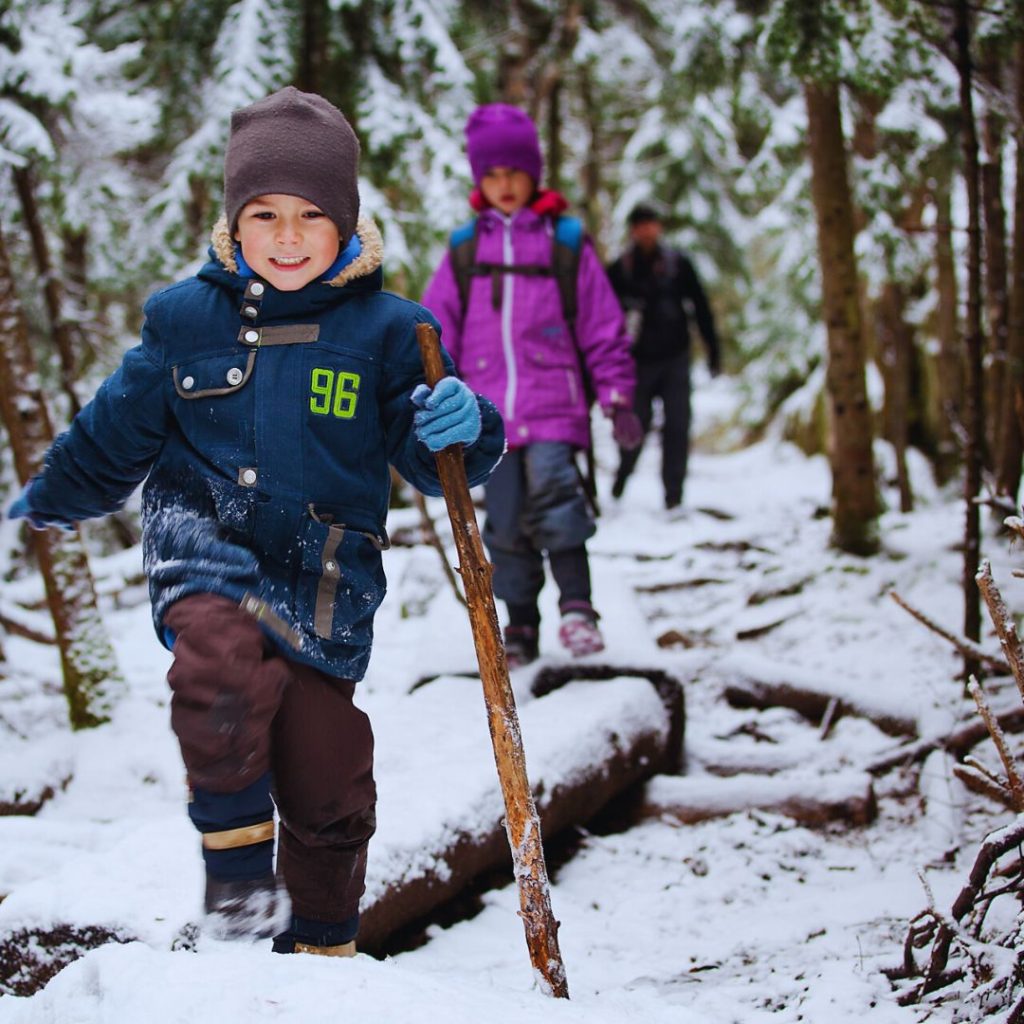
752, 123
848, 176
841, 171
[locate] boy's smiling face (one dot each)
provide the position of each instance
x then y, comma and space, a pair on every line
287, 240
507, 188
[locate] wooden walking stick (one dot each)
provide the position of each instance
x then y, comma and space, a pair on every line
521, 821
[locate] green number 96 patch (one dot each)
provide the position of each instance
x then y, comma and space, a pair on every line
333, 393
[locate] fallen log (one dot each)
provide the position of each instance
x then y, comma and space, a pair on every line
668, 688
587, 743
957, 742
22, 790
810, 800
753, 684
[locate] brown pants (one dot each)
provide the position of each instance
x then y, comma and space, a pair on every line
241, 709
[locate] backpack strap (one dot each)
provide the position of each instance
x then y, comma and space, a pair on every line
565, 264
462, 247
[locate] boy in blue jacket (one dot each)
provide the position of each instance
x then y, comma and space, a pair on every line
268, 396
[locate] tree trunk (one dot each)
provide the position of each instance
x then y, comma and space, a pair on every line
1011, 449
854, 493
895, 345
91, 679
313, 47
974, 409
996, 298
950, 368
66, 331
591, 171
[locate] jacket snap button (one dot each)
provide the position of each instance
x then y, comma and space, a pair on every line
252, 335
251, 311
330, 566
235, 376
188, 383
249, 476
256, 288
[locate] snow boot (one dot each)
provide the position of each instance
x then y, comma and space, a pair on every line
321, 938
578, 632
249, 908
522, 645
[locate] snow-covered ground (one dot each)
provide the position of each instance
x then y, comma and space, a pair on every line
744, 919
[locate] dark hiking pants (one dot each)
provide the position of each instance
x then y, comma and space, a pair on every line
243, 712
535, 506
669, 380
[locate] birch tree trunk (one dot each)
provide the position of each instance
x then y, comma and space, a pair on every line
974, 406
854, 492
92, 682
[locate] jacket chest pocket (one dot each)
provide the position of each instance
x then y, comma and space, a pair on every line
213, 377
342, 583
215, 406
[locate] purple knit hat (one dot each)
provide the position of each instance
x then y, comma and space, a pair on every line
498, 135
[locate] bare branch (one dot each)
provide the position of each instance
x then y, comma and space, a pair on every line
1004, 624
434, 540
983, 784
1014, 785
965, 646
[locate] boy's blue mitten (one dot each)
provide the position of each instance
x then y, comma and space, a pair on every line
22, 509
448, 414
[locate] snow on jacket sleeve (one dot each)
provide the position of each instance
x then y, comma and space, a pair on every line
443, 300
93, 467
601, 334
407, 453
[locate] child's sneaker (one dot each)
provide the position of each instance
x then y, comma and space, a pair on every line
253, 908
578, 632
522, 645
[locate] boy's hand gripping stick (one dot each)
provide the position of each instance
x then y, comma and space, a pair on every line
521, 821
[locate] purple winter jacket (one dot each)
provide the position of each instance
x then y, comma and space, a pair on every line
521, 356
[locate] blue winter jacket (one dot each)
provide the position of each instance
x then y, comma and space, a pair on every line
263, 423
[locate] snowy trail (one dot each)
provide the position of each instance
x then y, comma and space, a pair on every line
745, 919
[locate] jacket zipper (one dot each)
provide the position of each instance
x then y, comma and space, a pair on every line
511, 376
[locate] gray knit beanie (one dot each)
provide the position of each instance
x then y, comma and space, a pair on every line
294, 143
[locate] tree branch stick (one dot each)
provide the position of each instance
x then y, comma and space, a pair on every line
521, 820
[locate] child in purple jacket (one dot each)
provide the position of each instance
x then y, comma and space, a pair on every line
511, 342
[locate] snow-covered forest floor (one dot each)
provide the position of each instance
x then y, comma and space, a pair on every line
744, 919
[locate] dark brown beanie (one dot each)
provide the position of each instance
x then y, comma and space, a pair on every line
294, 143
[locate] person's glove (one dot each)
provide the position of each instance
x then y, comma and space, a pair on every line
627, 429
448, 414
22, 509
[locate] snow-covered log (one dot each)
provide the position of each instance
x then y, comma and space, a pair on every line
585, 744
812, 800
751, 682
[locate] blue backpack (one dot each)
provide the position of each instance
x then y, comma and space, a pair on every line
565, 264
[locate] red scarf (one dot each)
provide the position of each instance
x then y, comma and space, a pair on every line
546, 203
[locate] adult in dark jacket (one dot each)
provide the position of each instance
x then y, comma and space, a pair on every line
658, 287
268, 396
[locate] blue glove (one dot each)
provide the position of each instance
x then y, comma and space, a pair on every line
448, 414
22, 509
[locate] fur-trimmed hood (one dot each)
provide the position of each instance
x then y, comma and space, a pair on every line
369, 259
